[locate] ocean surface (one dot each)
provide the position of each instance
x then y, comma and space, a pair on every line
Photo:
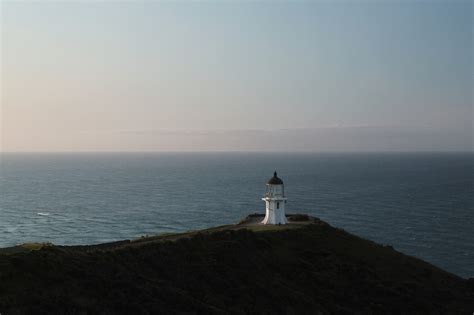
421, 204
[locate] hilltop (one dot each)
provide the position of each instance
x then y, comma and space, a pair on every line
306, 267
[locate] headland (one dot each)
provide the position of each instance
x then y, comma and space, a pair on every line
305, 267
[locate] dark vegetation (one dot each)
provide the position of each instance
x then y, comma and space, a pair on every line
307, 270
298, 217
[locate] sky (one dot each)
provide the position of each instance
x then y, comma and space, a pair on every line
236, 76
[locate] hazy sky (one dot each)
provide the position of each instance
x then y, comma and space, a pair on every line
236, 75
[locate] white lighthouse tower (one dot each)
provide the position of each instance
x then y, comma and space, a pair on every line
275, 201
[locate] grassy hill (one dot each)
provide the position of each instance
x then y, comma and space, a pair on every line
305, 268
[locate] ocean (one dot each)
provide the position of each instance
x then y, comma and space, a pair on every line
420, 203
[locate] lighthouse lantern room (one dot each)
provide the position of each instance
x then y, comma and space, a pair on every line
275, 201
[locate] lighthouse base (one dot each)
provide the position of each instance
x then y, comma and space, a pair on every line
275, 217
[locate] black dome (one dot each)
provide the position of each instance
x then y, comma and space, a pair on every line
275, 180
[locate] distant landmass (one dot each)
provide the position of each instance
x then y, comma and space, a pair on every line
306, 267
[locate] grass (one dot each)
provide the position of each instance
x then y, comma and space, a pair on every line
35, 246
293, 269
308, 268
25, 247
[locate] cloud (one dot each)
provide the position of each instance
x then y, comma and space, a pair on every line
325, 138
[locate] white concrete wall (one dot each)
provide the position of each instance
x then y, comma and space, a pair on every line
275, 214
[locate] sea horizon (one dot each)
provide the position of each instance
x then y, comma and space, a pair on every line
240, 152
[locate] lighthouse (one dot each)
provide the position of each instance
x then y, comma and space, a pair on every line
275, 201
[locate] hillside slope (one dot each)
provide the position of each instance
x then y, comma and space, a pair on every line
311, 269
